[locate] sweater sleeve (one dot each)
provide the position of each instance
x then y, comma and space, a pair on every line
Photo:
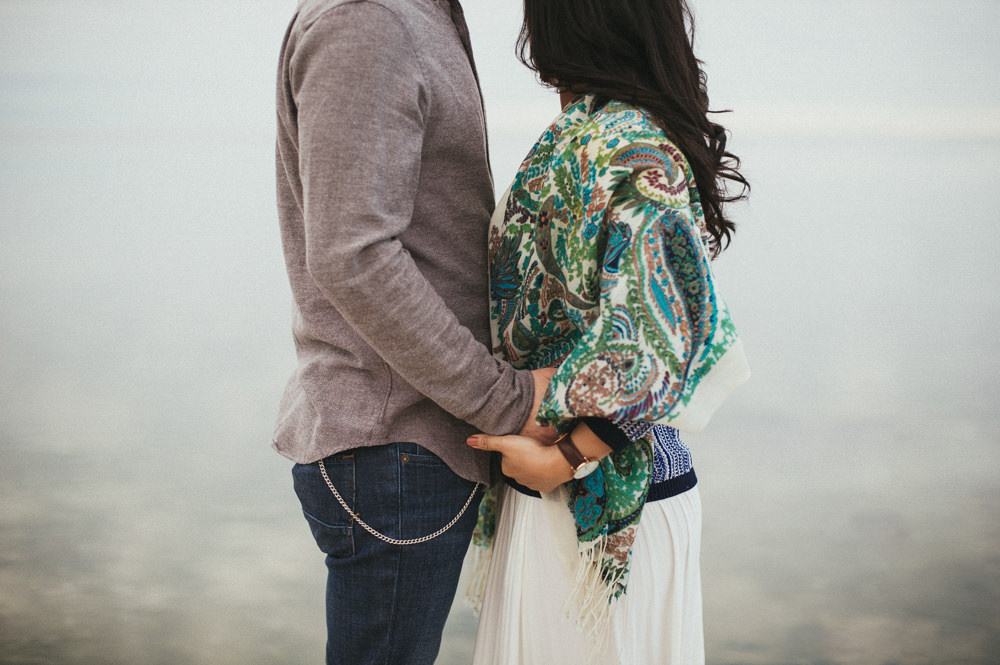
361, 102
653, 351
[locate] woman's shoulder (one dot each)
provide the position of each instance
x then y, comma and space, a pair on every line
627, 122
631, 135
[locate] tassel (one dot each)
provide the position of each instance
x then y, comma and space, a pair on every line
479, 564
592, 604
481, 552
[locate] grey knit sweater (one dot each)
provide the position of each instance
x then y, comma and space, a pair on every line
384, 199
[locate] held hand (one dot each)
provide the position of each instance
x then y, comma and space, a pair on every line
531, 428
528, 461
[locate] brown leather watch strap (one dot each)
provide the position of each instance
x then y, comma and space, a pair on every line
570, 451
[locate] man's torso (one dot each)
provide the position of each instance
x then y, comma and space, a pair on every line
342, 394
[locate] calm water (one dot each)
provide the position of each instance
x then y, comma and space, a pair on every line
850, 489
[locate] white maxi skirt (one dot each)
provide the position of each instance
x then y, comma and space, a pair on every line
524, 619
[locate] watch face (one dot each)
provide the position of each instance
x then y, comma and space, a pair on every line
586, 469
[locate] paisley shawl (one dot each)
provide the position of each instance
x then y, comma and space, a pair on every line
599, 268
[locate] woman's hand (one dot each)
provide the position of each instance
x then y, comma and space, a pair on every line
530, 462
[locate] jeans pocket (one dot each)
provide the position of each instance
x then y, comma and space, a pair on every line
330, 523
335, 541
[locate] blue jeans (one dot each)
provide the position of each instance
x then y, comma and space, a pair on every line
387, 604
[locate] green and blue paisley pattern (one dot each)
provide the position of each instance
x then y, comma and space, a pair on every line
600, 268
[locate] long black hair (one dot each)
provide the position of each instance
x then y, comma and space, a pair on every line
640, 52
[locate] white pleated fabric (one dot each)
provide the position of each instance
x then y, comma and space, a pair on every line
524, 616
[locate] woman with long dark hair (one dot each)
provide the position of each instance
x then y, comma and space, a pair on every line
599, 269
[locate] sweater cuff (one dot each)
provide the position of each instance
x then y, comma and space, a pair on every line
608, 432
617, 435
509, 405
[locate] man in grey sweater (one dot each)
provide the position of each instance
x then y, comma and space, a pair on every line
384, 199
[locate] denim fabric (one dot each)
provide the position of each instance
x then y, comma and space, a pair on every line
387, 604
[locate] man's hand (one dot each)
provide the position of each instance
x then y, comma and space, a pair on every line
528, 461
531, 428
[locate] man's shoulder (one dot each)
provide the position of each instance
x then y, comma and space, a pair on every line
311, 11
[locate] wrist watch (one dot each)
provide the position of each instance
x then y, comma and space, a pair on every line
581, 465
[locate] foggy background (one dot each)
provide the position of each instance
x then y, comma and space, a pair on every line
850, 489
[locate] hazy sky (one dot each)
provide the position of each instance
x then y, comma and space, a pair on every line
181, 61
